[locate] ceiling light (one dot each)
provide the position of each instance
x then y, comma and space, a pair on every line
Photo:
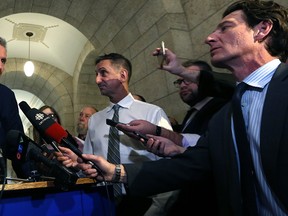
29, 66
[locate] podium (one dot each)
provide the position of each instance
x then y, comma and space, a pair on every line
43, 198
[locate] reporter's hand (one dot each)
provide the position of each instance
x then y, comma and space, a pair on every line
142, 126
174, 66
163, 147
106, 169
67, 157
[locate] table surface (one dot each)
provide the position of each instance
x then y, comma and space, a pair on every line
42, 184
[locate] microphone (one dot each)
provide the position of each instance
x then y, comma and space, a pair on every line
50, 128
20, 147
47, 127
63, 176
39, 120
65, 139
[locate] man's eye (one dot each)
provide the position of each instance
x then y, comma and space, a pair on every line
223, 28
101, 72
3, 60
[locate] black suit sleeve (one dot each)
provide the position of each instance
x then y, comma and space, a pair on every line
9, 119
9, 113
154, 177
215, 87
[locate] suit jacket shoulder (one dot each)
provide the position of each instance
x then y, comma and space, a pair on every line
200, 121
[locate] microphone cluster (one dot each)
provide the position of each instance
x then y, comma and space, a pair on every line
24, 150
50, 129
19, 147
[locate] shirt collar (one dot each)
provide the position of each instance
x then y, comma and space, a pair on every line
126, 102
262, 76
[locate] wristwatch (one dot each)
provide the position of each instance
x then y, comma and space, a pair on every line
117, 173
158, 131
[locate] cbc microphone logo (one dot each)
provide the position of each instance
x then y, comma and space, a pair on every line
41, 119
39, 116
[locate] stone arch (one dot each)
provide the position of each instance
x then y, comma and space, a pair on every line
50, 84
132, 28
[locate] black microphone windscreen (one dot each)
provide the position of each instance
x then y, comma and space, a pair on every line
24, 107
38, 119
35, 154
15, 147
64, 177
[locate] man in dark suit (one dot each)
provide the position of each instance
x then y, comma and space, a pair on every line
9, 114
204, 103
201, 97
249, 172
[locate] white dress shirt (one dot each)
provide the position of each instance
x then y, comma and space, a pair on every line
131, 150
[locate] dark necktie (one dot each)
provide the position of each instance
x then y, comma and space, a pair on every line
187, 118
246, 165
113, 155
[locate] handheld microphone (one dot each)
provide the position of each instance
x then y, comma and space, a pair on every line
63, 176
39, 120
66, 140
50, 128
20, 147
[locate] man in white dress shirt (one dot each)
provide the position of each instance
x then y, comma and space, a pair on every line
113, 72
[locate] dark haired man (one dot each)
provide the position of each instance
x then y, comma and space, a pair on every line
113, 72
201, 97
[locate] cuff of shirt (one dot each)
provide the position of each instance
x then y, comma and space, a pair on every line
189, 139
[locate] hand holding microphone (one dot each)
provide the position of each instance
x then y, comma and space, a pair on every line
67, 157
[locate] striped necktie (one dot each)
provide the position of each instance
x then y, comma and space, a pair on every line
113, 155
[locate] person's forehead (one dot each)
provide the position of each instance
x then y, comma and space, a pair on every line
88, 110
235, 16
104, 63
47, 111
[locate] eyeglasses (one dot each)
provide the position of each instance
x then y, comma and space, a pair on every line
3, 60
177, 83
53, 116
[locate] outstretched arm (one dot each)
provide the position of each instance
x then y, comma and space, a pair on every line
174, 66
145, 127
107, 170
163, 147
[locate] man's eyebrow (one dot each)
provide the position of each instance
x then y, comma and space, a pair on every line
100, 69
223, 23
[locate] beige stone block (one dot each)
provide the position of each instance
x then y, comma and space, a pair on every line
126, 36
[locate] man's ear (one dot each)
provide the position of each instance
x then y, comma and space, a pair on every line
262, 30
124, 75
